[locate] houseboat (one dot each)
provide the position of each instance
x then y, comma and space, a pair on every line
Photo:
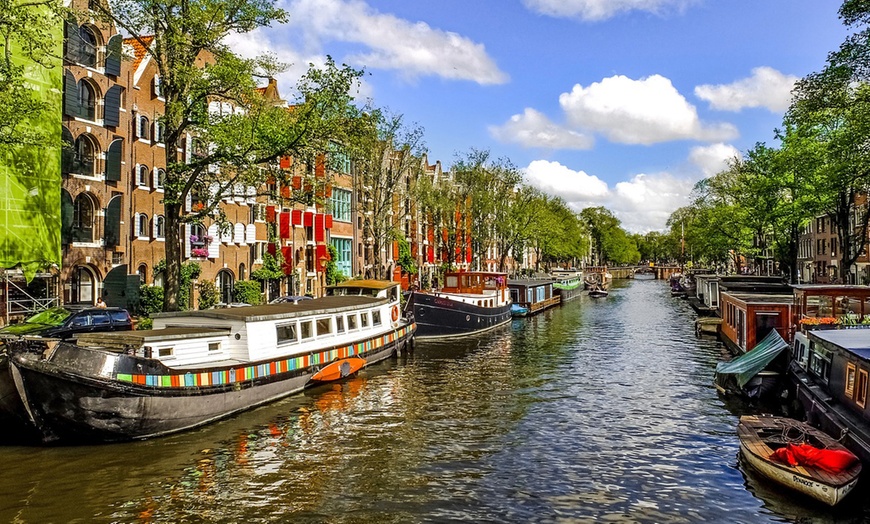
195, 367
830, 361
597, 276
469, 302
533, 295
748, 317
568, 284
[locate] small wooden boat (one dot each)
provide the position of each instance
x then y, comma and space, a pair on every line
518, 310
815, 464
339, 369
597, 292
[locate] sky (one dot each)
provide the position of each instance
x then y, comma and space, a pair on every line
624, 104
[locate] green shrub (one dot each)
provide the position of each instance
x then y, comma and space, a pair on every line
145, 323
208, 294
247, 291
150, 299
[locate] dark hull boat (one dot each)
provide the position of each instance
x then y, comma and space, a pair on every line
469, 302
142, 384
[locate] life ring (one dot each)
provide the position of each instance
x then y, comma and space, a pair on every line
394, 313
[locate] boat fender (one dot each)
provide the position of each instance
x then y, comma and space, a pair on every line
394, 313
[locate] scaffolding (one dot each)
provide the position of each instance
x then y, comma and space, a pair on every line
20, 300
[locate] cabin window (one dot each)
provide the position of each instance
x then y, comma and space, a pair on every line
800, 352
339, 324
861, 388
286, 333
820, 362
351, 322
451, 281
850, 380
324, 326
165, 352
364, 319
394, 293
307, 329
376, 318
214, 346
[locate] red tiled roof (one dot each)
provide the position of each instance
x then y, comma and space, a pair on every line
139, 50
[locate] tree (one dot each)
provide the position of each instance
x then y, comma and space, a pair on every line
198, 74
386, 153
28, 34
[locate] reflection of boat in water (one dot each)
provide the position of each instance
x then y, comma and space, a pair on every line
798, 456
469, 302
199, 366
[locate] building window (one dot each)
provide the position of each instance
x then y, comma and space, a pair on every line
87, 100
159, 178
142, 175
85, 156
143, 128
159, 227
339, 161
83, 219
158, 132
89, 42
340, 205
143, 273
142, 225
343, 248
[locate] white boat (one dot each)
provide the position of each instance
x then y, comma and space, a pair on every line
199, 366
761, 435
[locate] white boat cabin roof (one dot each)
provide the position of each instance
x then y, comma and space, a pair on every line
319, 306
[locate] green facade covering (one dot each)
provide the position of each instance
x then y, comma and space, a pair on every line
30, 178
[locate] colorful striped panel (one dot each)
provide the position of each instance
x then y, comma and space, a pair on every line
246, 373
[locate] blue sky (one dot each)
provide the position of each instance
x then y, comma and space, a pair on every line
620, 103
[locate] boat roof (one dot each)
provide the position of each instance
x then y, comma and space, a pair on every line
762, 298
477, 273
366, 284
318, 306
530, 282
144, 336
856, 341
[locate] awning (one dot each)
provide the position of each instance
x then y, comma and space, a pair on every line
751, 363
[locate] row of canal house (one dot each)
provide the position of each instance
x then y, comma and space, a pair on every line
827, 328
113, 233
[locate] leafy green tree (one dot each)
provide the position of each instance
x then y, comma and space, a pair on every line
333, 275
208, 295
248, 292
197, 70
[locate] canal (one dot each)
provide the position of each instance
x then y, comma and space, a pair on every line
596, 411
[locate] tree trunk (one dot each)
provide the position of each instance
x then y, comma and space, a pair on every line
172, 275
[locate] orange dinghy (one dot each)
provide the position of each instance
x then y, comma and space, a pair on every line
339, 369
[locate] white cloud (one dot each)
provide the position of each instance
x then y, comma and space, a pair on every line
413, 49
645, 111
712, 159
766, 88
574, 186
534, 129
595, 10
645, 202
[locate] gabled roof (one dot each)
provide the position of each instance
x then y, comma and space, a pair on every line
139, 51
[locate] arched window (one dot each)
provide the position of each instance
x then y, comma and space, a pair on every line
87, 100
142, 175
158, 132
82, 286
90, 42
225, 282
142, 225
143, 128
143, 273
242, 271
159, 178
84, 210
85, 156
159, 227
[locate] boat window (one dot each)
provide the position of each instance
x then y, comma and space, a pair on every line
165, 352
364, 319
339, 324
214, 346
451, 281
861, 389
820, 362
306, 329
850, 380
394, 293
376, 318
324, 326
351, 322
286, 333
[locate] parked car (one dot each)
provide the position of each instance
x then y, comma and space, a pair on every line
91, 320
49, 318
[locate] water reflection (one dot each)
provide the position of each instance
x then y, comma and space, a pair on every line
598, 411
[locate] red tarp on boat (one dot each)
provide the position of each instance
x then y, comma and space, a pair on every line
830, 460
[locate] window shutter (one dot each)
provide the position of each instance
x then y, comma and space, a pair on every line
67, 154
67, 209
112, 106
70, 94
188, 204
214, 247
113, 161
113, 56
154, 227
239, 234
73, 42
250, 234
154, 183
187, 233
113, 222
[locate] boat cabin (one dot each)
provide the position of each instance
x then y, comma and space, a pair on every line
478, 288
748, 317
534, 295
823, 304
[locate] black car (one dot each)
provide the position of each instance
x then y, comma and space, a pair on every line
90, 320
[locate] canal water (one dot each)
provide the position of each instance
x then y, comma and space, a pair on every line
601, 410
